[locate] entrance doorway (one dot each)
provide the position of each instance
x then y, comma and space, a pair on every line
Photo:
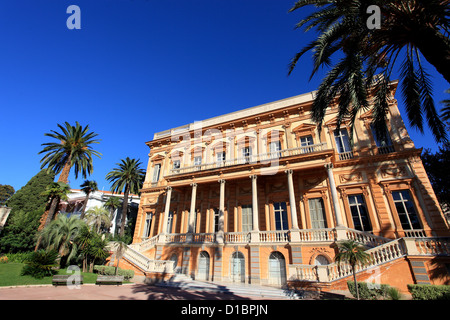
277, 269
237, 267
203, 266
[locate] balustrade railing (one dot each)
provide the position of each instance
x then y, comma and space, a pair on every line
311, 235
147, 264
274, 236
262, 157
433, 246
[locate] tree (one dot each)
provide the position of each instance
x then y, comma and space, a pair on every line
6, 191
446, 109
87, 187
28, 205
127, 177
72, 149
62, 234
112, 204
411, 29
352, 252
98, 216
119, 248
437, 164
55, 192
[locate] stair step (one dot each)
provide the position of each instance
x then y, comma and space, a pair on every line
186, 283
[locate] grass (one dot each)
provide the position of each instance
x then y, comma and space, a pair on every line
10, 276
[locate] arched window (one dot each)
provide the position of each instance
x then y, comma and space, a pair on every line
321, 260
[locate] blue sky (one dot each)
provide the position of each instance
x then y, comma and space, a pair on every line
137, 67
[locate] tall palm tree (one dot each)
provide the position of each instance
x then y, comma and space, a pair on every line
411, 29
55, 192
72, 149
352, 252
61, 235
112, 204
87, 187
98, 216
127, 177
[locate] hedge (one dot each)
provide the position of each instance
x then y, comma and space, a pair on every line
111, 271
429, 292
368, 292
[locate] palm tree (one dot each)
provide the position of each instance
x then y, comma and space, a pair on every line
446, 109
119, 248
127, 177
112, 204
98, 216
84, 239
411, 29
72, 149
352, 252
61, 235
87, 187
55, 192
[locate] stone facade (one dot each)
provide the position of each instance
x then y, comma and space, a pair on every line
261, 196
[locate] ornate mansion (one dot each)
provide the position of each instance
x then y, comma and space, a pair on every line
262, 196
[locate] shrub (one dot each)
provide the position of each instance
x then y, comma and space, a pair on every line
4, 259
41, 264
19, 257
368, 292
429, 292
394, 293
110, 271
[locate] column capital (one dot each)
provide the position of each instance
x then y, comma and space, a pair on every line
328, 165
193, 184
168, 188
222, 180
253, 177
289, 171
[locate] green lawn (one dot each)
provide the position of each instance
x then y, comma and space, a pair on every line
10, 276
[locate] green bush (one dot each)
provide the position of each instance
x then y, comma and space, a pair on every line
368, 292
41, 264
429, 292
19, 257
111, 271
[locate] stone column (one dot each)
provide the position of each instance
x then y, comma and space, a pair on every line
254, 235
192, 211
334, 196
167, 209
220, 232
292, 201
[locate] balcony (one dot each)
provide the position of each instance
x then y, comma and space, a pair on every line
252, 159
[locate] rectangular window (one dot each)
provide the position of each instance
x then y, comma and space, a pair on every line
221, 156
384, 144
169, 222
342, 141
247, 218
176, 164
281, 220
246, 151
359, 212
156, 171
317, 213
197, 161
306, 141
148, 223
216, 219
406, 210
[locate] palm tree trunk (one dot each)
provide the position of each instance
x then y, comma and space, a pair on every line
435, 47
356, 283
124, 209
64, 176
84, 206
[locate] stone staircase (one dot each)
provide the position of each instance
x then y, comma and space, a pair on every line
184, 282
